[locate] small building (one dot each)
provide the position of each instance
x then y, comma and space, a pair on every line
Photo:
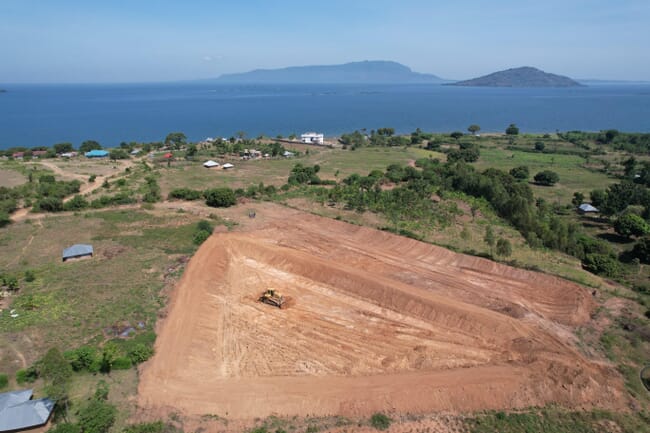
19, 412
210, 164
136, 151
168, 155
78, 251
587, 208
312, 138
18, 155
39, 153
227, 166
96, 153
288, 154
68, 155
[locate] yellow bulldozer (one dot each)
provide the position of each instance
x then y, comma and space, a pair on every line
272, 297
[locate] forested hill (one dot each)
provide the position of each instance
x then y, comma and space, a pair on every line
525, 76
377, 71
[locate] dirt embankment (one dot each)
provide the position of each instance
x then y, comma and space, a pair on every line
377, 322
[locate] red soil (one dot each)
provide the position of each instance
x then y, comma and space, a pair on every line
377, 322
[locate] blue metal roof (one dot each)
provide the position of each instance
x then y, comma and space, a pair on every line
77, 251
18, 412
96, 153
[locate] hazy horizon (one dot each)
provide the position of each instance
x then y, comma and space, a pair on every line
74, 41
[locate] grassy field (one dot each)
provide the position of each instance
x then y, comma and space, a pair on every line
74, 303
573, 176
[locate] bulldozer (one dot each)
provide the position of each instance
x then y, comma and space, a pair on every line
272, 297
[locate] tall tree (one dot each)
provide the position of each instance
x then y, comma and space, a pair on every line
473, 129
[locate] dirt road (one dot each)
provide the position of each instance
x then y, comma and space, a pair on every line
377, 322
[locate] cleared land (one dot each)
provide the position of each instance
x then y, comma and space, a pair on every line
376, 321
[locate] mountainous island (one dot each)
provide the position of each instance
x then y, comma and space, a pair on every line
376, 71
525, 76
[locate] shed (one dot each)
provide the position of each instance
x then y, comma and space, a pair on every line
210, 164
587, 208
168, 155
288, 154
228, 165
77, 251
19, 412
96, 153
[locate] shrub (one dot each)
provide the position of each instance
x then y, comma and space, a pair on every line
200, 236
504, 248
4, 381
547, 178
76, 203
641, 250
184, 194
520, 172
631, 225
380, 421
4, 219
204, 225
82, 358
122, 363
92, 178
29, 276
150, 427
49, 204
140, 353
27, 375
97, 417
602, 265
220, 197
512, 129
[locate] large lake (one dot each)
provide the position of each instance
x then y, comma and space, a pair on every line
32, 115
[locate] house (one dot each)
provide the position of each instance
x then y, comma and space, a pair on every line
38, 153
587, 208
210, 164
168, 155
18, 155
288, 154
19, 412
135, 151
96, 153
312, 138
68, 155
77, 251
227, 166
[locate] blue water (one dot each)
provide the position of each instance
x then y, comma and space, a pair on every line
32, 115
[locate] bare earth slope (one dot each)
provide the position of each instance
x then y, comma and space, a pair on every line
376, 322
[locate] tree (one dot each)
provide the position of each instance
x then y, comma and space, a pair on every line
641, 250
191, 151
386, 131
456, 135
116, 154
473, 129
89, 145
630, 224
504, 248
546, 178
578, 199
97, 416
220, 197
629, 166
56, 372
176, 139
63, 148
520, 172
598, 197
539, 146
512, 130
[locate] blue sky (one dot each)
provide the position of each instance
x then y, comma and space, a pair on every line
147, 40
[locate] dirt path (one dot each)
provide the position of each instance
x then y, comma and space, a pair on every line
379, 322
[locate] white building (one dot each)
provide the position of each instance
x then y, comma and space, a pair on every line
312, 138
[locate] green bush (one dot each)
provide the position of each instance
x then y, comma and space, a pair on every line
151, 427
546, 178
140, 353
4, 381
29, 276
97, 417
27, 375
220, 197
184, 194
200, 237
122, 363
602, 265
380, 421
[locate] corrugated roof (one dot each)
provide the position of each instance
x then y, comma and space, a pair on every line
97, 152
586, 207
210, 163
12, 398
78, 250
28, 414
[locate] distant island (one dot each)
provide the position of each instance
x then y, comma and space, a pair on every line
525, 76
3, 91
376, 71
